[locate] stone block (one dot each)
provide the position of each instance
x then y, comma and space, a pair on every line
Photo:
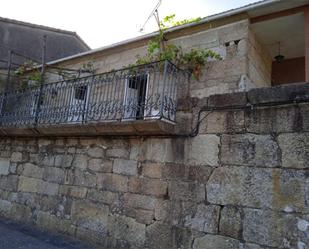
199, 173
205, 219
139, 201
159, 236
215, 242
258, 187
118, 152
5, 207
251, 150
186, 191
145, 186
152, 170
33, 185
20, 213
106, 197
162, 150
4, 166
91, 216
274, 119
273, 229
223, 122
84, 178
100, 165
125, 167
127, 229
9, 183
174, 171
54, 224
95, 152
32, 170
112, 182
17, 157
73, 191
231, 222
53, 174
203, 150
279, 94
80, 161
295, 150
227, 100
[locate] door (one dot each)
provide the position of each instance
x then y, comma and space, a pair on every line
78, 103
135, 96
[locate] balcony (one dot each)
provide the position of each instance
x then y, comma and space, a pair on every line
135, 100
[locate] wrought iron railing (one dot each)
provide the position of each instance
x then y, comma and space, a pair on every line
137, 93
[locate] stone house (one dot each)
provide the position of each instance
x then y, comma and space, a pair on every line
150, 158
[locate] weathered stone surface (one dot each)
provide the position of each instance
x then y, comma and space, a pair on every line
80, 161
4, 166
9, 183
295, 150
227, 100
152, 170
159, 236
249, 149
153, 187
186, 191
205, 219
96, 152
174, 171
215, 242
105, 197
125, 167
16, 157
139, 201
88, 215
258, 187
32, 170
126, 228
278, 94
100, 165
223, 122
84, 178
274, 119
112, 182
230, 222
118, 152
203, 150
199, 173
162, 150
33, 185
52, 223
5, 207
273, 229
73, 191
53, 174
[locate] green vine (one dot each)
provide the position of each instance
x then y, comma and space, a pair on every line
28, 73
158, 49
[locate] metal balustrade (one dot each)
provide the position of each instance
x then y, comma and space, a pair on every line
137, 93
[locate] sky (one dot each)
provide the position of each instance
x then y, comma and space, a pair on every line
103, 22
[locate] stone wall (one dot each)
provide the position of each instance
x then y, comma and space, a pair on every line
241, 183
231, 74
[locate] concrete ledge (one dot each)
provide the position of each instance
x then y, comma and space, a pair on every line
135, 127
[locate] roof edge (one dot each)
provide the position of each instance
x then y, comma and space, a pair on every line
43, 27
210, 18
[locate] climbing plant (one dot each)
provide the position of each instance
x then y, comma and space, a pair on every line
159, 49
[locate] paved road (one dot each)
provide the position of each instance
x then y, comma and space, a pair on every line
14, 236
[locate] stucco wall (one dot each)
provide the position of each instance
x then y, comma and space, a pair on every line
242, 182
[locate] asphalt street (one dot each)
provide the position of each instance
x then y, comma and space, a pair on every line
16, 236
